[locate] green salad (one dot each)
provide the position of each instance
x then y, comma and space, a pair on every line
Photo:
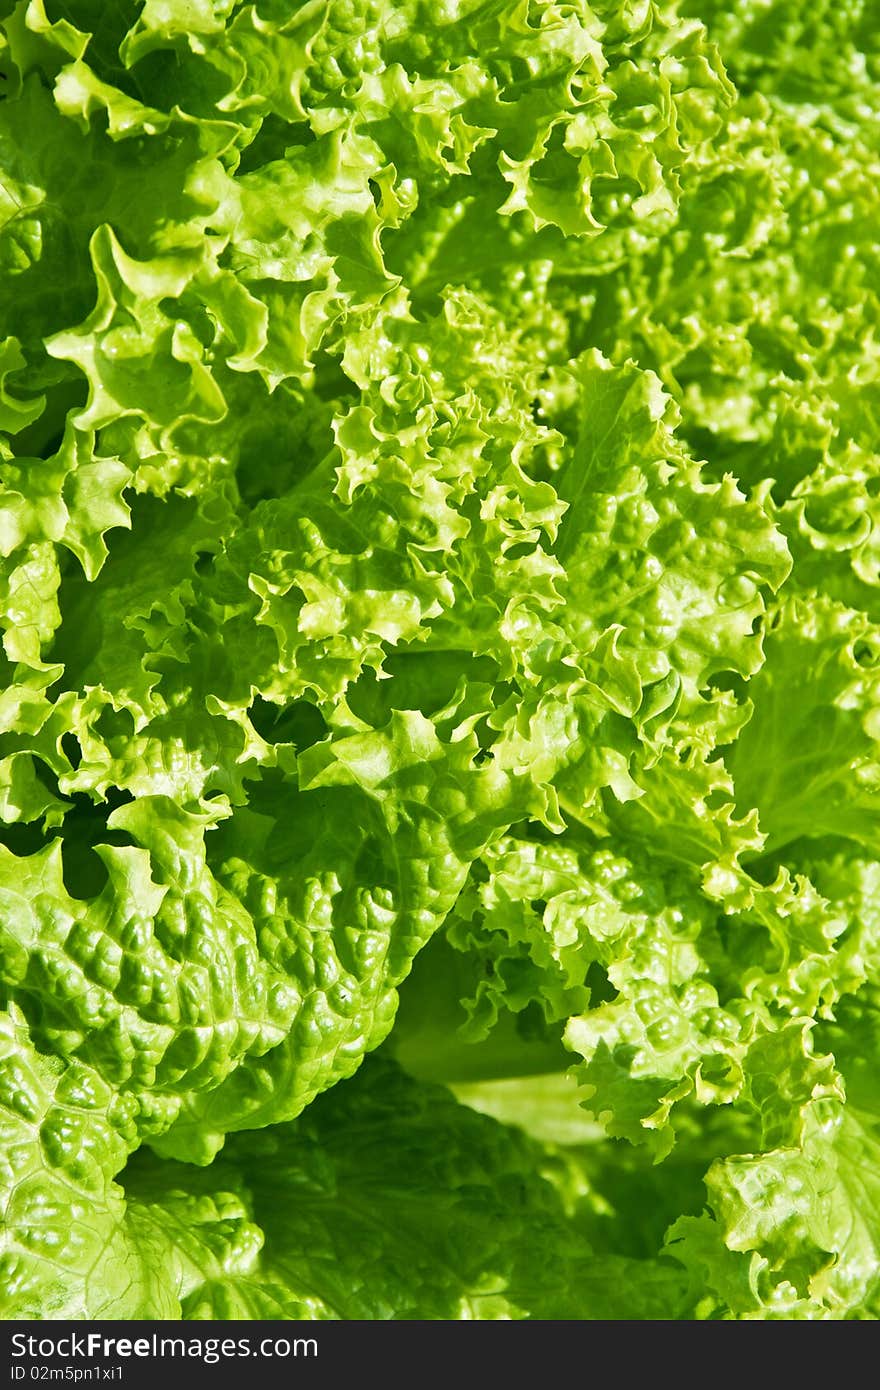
440, 699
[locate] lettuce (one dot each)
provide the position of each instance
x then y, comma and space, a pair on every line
440, 597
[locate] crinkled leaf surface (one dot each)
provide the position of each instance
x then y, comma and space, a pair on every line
439, 574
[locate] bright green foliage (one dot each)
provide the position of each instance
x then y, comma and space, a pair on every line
440, 609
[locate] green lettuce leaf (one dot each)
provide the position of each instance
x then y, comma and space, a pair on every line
439, 606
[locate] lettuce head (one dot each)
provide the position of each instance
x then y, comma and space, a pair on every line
440, 701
